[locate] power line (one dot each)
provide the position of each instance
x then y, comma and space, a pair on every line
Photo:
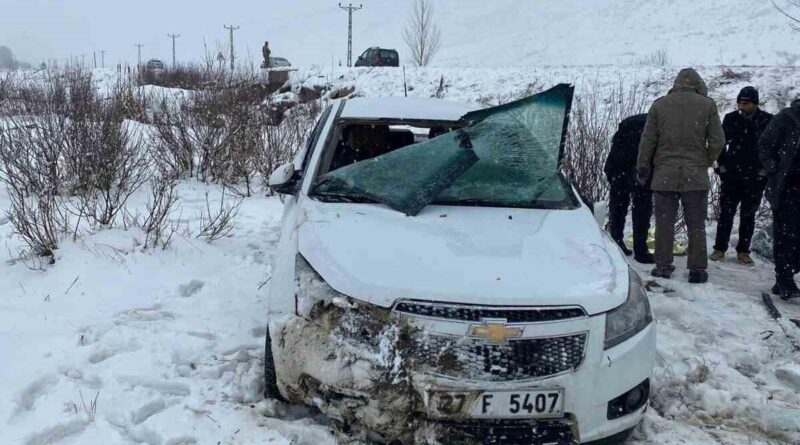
139, 46
173, 37
350, 8
231, 28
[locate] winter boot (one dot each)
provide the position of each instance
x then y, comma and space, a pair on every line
644, 258
788, 288
662, 271
718, 255
745, 260
698, 276
623, 247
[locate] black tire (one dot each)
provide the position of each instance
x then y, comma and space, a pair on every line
271, 390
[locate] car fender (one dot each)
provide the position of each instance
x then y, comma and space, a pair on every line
280, 300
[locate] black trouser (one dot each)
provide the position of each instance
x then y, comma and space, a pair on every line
786, 232
736, 191
695, 206
620, 197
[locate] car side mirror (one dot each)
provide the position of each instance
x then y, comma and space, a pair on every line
283, 180
600, 212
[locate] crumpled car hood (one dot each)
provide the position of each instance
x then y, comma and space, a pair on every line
468, 255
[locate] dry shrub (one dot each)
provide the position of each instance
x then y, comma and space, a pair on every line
39, 220
658, 58
595, 116
61, 139
185, 77
156, 224
218, 222
282, 142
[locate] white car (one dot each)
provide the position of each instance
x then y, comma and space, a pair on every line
438, 280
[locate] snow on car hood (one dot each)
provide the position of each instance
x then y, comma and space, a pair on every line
469, 255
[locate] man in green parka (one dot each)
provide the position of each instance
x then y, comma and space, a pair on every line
682, 138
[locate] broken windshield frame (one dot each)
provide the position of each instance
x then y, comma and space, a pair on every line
569, 200
504, 156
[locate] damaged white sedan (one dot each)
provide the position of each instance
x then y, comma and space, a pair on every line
439, 281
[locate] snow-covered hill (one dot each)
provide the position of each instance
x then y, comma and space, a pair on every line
547, 32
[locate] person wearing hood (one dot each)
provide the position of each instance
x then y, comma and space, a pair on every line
620, 170
743, 178
778, 148
682, 139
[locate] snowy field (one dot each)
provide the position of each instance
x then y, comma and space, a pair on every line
169, 343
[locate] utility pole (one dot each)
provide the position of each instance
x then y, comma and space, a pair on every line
350, 8
173, 37
102, 58
94, 55
231, 28
139, 46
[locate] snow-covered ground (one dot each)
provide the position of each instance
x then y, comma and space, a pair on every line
169, 343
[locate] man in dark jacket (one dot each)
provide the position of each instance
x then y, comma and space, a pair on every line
778, 148
683, 137
620, 170
743, 178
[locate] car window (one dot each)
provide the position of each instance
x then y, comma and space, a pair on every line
506, 156
312, 140
388, 55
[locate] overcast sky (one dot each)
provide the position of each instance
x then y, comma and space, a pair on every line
38, 30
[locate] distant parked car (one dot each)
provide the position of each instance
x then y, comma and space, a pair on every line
154, 64
379, 57
278, 62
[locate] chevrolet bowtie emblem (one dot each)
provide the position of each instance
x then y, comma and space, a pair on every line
495, 331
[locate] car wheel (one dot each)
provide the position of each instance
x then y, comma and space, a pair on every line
271, 390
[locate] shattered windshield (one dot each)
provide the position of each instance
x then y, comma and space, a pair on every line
506, 156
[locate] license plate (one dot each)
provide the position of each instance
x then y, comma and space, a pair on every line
533, 404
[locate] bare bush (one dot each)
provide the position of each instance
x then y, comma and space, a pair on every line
8, 87
156, 224
422, 34
219, 222
210, 136
595, 116
791, 10
185, 77
38, 220
658, 58
281, 143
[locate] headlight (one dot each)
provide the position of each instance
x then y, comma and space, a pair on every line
629, 319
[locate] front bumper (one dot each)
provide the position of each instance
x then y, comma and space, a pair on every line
378, 394
603, 376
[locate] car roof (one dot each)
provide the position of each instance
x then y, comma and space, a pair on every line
406, 108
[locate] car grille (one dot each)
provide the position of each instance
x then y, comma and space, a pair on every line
478, 313
520, 359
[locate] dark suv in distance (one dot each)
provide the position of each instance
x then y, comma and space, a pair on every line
379, 57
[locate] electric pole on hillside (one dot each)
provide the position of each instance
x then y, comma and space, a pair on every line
350, 8
173, 37
231, 28
139, 46
102, 58
94, 55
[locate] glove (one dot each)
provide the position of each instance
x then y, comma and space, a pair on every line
643, 174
